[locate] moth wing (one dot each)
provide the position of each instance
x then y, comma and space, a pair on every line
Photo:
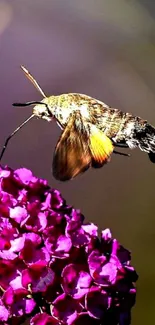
100, 146
72, 155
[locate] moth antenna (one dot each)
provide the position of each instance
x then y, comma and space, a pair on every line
34, 82
13, 133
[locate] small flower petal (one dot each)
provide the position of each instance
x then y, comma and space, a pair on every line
65, 309
43, 319
75, 282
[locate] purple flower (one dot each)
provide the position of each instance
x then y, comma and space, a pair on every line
54, 269
75, 281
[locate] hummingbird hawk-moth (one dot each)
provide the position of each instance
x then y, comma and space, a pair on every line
91, 131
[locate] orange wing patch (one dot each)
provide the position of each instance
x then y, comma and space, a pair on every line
101, 147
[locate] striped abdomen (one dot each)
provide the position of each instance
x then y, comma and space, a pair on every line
125, 128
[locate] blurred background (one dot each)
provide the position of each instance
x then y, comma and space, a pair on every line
106, 49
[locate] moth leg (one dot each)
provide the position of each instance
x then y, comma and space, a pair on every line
120, 145
121, 153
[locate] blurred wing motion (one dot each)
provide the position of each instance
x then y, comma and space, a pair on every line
80, 146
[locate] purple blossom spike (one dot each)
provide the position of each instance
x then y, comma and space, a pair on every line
54, 268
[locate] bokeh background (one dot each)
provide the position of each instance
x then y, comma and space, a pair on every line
106, 49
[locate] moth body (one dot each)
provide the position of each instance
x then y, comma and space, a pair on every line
119, 126
91, 131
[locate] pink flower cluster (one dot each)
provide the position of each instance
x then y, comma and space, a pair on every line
54, 269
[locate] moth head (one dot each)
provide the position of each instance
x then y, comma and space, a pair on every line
42, 110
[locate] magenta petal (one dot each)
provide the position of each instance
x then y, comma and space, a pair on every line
77, 216
57, 246
8, 296
95, 261
90, 229
16, 282
55, 218
75, 282
74, 222
23, 306
36, 223
42, 220
43, 319
39, 279
4, 173
19, 214
29, 305
27, 278
97, 303
64, 244
85, 319
84, 280
56, 199
17, 244
30, 254
65, 309
34, 238
23, 175
47, 204
4, 313
107, 275
7, 255
22, 196
42, 257
4, 243
104, 272
106, 235
8, 272
79, 238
